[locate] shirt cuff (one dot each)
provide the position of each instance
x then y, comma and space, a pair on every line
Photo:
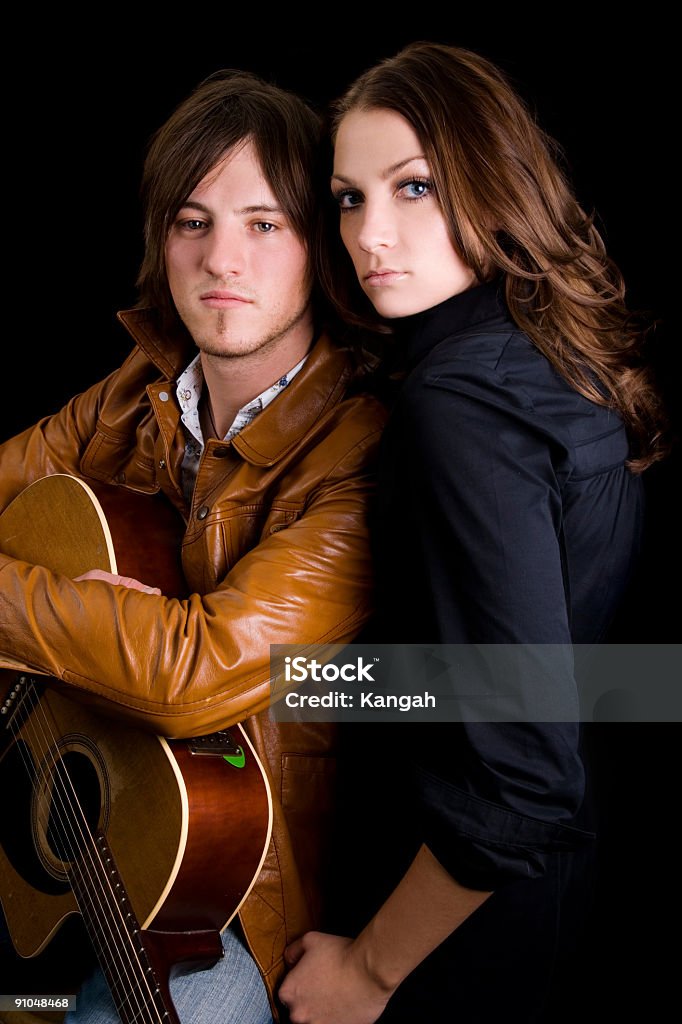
484, 845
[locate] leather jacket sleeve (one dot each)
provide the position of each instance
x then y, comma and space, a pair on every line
54, 444
187, 667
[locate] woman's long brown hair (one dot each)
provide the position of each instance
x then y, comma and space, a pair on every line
511, 210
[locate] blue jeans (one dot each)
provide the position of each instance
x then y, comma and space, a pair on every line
232, 992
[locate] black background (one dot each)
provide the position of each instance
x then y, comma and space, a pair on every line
81, 107
81, 111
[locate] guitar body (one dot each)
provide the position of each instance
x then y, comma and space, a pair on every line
155, 842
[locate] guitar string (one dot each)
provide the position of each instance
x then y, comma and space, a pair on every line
60, 793
59, 796
97, 897
84, 871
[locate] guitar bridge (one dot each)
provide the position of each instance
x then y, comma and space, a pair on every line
217, 743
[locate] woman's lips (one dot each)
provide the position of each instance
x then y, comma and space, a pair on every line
382, 278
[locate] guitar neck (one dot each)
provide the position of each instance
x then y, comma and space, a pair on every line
140, 995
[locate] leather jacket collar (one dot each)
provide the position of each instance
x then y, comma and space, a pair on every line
312, 392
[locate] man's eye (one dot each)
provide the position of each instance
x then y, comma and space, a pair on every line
264, 227
193, 224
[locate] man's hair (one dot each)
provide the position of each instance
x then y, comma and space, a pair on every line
228, 108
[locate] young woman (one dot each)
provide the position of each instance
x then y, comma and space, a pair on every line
510, 513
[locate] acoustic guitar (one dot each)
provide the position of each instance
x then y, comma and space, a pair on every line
155, 842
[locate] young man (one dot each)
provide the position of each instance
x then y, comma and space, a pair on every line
239, 409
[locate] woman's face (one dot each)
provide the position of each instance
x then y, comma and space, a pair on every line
391, 221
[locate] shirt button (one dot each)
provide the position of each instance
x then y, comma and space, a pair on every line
120, 478
162, 463
203, 512
221, 453
163, 396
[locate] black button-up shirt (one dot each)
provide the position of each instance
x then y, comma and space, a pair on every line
506, 515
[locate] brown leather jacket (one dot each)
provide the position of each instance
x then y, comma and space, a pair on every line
275, 551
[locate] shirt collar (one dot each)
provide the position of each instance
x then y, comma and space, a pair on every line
417, 334
322, 382
191, 385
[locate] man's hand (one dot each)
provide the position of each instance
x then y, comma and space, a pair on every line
122, 581
329, 984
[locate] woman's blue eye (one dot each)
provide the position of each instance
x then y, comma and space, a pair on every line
416, 188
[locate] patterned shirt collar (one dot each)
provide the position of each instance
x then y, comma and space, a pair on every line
191, 385
189, 389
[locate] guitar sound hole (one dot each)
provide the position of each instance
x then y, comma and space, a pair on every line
74, 807
16, 833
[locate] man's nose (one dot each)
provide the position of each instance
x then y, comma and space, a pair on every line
224, 255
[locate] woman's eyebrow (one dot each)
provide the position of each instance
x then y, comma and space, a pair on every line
385, 173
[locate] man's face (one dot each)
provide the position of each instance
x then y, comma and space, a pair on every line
237, 271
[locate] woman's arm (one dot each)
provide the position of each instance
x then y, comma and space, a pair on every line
336, 980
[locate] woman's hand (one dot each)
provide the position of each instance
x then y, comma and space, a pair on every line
336, 980
328, 983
